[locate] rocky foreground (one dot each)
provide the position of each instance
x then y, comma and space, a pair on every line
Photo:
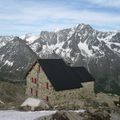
101, 107
90, 114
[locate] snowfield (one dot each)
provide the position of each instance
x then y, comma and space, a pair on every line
17, 115
20, 115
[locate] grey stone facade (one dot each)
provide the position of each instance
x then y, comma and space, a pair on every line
37, 85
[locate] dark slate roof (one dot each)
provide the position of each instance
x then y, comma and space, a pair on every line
82, 73
61, 76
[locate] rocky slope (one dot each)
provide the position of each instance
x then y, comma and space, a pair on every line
98, 51
5, 39
15, 59
11, 95
92, 114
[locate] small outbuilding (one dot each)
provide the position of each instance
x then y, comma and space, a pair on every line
55, 82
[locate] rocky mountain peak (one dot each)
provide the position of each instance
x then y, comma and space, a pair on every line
16, 57
84, 26
83, 46
98, 51
5, 39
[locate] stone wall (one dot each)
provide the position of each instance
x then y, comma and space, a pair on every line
55, 97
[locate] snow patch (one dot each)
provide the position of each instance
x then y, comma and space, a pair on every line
17, 115
9, 63
32, 39
57, 45
35, 46
95, 48
2, 44
71, 33
22, 37
84, 49
29, 37
109, 43
107, 38
78, 111
1, 57
66, 52
49, 49
5, 39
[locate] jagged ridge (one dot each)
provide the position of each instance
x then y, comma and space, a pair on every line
98, 51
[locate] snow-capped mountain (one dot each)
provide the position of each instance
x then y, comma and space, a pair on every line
82, 45
29, 38
5, 39
15, 59
83, 40
98, 51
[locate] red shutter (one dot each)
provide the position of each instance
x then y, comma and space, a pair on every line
35, 80
31, 90
46, 99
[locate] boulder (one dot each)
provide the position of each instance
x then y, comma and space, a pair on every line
94, 114
34, 104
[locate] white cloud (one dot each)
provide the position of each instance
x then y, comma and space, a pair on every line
106, 3
33, 18
43, 12
55, 13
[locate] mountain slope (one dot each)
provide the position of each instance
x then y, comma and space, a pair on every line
98, 51
82, 45
16, 58
5, 39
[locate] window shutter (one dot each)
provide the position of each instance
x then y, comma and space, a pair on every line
46, 98
35, 80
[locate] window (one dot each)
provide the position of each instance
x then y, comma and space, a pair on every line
46, 98
34, 80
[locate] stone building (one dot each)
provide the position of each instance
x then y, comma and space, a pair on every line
57, 83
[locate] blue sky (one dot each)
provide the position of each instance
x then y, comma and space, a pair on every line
18, 17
